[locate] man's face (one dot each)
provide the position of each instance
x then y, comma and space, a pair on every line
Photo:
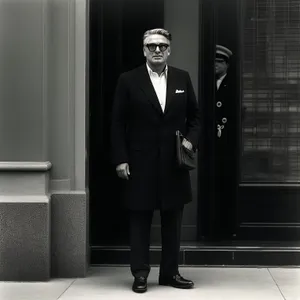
156, 49
221, 66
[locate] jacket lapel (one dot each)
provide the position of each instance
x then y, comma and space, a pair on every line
223, 83
170, 88
147, 87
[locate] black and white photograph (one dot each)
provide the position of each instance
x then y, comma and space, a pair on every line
150, 148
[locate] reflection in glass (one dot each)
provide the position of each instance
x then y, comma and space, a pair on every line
271, 90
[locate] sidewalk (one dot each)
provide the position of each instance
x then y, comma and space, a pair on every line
114, 283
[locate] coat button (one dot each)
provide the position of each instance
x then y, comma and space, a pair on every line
219, 104
224, 120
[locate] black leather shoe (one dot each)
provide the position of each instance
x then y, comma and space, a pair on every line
139, 285
176, 281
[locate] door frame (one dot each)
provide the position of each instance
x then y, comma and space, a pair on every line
206, 73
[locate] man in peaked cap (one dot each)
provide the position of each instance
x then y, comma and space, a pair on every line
225, 145
223, 91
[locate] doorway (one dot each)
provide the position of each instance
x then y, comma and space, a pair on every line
116, 31
116, 46
260, 199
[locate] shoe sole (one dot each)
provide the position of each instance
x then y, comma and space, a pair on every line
140, 291
178, 287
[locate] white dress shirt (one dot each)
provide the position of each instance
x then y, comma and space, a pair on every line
160, 85
219, 81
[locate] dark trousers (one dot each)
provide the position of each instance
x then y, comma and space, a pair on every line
140, 226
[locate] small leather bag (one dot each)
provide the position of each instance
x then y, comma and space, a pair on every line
186, 158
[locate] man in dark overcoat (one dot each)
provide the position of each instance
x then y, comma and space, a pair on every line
152, 102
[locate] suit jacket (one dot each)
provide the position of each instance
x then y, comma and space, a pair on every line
144, 136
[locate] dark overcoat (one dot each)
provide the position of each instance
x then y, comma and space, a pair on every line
144, 136
226, 156
226, 112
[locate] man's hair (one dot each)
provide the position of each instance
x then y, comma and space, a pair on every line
160, 31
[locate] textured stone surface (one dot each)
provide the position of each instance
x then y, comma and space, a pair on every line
69, 236
24, 240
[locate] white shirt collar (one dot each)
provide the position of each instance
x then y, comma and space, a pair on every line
150, 72
222, 77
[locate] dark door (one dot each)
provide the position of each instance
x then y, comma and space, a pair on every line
106, 222
270, 80
261, 197
116, 30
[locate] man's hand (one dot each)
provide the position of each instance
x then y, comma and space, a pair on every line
123, 171
187, 144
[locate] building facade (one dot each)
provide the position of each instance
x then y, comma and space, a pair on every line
59, 64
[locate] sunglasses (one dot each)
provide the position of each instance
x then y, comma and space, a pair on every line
220, 60
153, 47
